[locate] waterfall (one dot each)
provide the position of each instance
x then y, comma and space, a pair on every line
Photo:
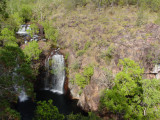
23, 30
21, 93
55, 73
20, 90
23, 96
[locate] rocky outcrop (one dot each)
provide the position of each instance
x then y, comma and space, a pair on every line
103, 39
136, 49
90, 97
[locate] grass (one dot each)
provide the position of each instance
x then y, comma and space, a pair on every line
88, 32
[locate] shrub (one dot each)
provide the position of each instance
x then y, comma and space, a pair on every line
15, 21
109, 54
46, 111
80, 80
51, 33
80, 52
87, 45
32, 51
88, 71
33, 30
26, 13
76, 65
155, 5
12, 114
84, 79
7, 36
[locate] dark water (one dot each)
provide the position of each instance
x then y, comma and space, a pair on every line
26, 109
62, 102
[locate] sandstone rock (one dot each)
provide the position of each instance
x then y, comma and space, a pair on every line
90, 97
74, 90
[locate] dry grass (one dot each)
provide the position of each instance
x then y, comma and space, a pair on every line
102, 27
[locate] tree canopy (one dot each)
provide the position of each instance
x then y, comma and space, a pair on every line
132, 97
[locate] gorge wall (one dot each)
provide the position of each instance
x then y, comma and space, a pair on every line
94, 38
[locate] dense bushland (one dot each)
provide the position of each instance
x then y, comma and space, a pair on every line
132, 97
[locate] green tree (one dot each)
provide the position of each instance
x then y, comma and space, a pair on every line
33, 30
50, 32
132, 97
17, 73
151, 98
26, 12
3, 13
32, 51
80, 80
7, 36
46, 111
14, 21
83, 79
43, 9
88, 72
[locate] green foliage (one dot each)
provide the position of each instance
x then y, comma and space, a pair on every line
154, 5
66, 56
80, 80
12, 114
50, 32
80, 52
17, 72
3, 13
91, 116
15, 20
32, 51
76, 65
8, 56
88, 72
71, 4
33, 30
76, 45
151, 98
26, 12
158, 18
140, 14
7, 36
130, 76
84, 79
74, 116
109, 54
87, 45
132, 97
43, 8
46, 111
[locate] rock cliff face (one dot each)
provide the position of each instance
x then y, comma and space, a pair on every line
144, 51
95, 39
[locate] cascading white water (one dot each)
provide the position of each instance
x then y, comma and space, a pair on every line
55, 73
19, 89
23, 30
23, 96
21, 93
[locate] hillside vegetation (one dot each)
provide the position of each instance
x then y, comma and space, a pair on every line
94, 35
